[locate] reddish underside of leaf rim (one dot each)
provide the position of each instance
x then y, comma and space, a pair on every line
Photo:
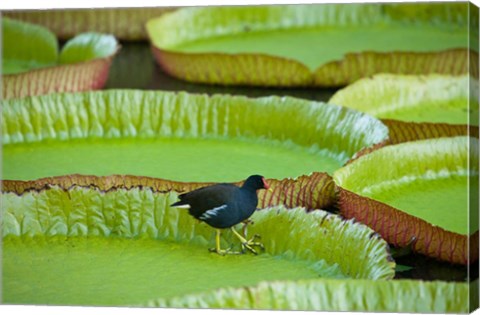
233, 69
123, 23
398, 228
401, 131
368, 150
355, 66
315, 191
270, 70
84, 76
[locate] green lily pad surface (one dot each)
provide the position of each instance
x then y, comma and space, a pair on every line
326, 44
429, 98
179, 136
418, 197
224, 160
423, 193
79, 271
29, 46
84, 246
369, 38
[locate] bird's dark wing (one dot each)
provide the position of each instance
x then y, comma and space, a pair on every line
208, 198
186, 197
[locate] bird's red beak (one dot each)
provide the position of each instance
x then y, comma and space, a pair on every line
265, 185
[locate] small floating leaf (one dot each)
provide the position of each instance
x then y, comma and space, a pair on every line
26, 46
32, 64
88, 46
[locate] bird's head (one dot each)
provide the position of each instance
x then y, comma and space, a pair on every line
256, 182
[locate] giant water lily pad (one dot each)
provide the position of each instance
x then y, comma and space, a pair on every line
416, 193
33, 65
180, 136
83, 245
416, 107
328, 45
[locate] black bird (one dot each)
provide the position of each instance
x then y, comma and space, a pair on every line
223, 206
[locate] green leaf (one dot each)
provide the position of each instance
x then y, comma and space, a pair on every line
415, 189
88, 46
30, 46
86, 246
180, 136
26, 46
32, 65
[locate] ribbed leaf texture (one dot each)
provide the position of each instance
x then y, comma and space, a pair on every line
333, 295
430, 166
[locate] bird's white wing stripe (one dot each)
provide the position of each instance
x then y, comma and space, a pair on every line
182, 207
212, 212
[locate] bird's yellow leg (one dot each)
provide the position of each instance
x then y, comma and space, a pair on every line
217, 241
245, 226
217, 248
248, 244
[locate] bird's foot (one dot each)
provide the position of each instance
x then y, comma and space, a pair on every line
224, 252
251, 243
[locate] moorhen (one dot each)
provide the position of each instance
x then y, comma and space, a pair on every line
223, 206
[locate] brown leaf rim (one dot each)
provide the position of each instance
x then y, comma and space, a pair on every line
270, 70
315, 191
402, 131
